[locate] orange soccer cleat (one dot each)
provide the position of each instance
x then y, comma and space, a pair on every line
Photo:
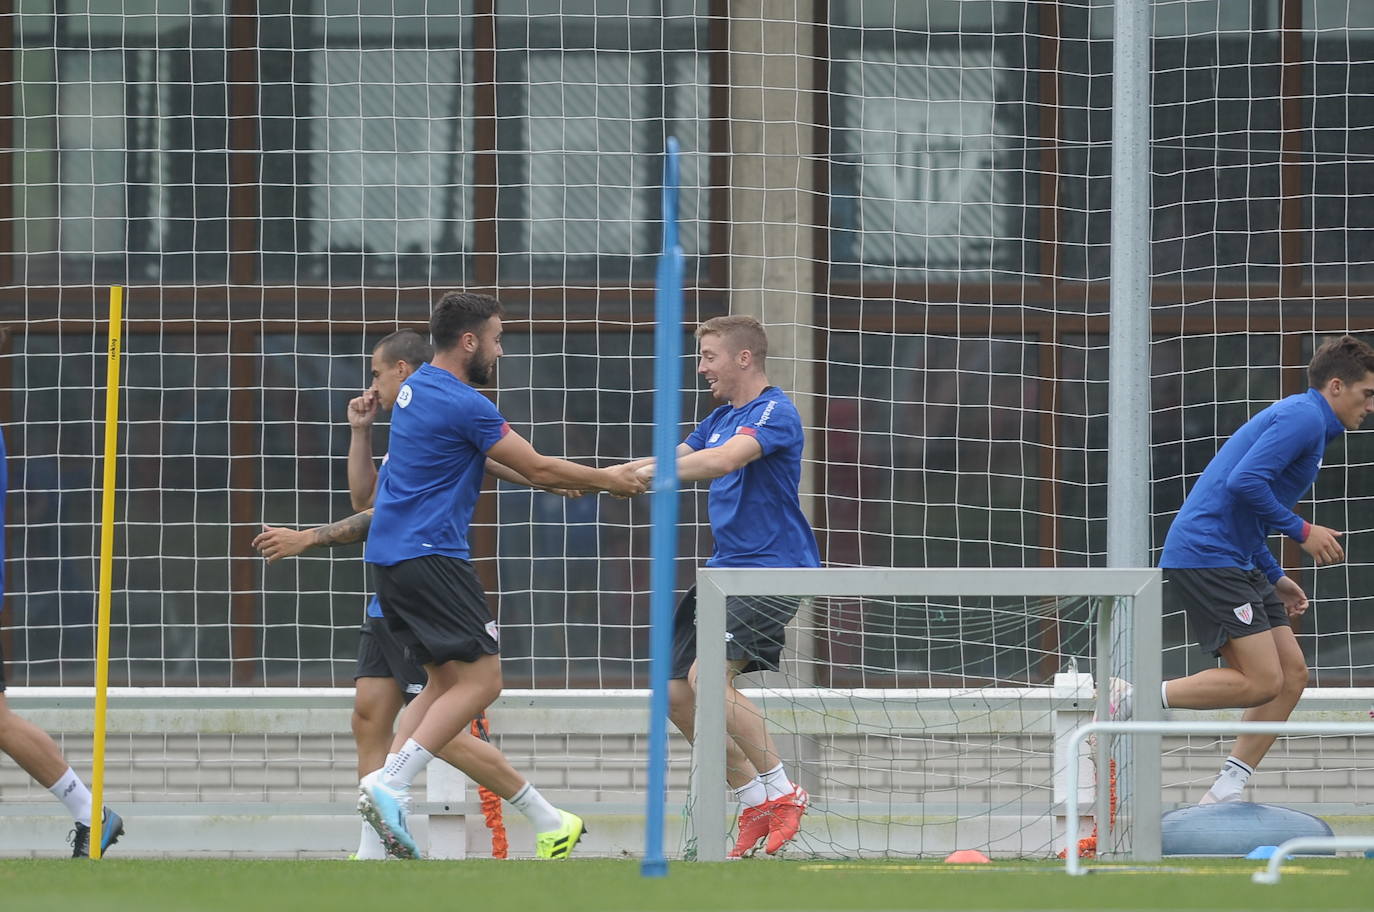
787, 813
754, 824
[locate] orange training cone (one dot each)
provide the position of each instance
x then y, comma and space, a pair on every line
967, 856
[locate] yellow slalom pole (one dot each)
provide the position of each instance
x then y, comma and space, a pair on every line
107, 511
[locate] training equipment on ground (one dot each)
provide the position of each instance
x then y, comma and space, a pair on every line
1234, 828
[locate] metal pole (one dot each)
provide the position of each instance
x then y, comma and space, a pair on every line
1128, 442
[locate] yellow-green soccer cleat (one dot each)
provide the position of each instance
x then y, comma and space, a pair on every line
559, 843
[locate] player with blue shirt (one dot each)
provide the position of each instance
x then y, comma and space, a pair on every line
34, 749
750, 450
444, 434
386, 677
1217, 561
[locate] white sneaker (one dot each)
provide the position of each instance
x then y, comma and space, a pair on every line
1120, 700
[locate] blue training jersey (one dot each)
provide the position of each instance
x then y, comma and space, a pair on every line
755, 511
1251, 486
441, 429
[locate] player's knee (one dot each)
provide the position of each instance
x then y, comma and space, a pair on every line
1263, 690
491, 685
681, 705
367, 723
1295, 680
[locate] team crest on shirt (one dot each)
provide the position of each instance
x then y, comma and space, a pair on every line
1245, 613
403, 397
494, 631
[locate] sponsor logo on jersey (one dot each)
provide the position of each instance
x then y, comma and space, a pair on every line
403, 397
1245, 613
714, 437
767, 411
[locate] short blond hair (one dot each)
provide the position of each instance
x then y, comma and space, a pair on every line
740, 333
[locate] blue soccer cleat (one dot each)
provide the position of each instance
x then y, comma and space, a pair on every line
385, 809
111, 829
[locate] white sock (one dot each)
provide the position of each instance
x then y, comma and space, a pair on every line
405, 765
370, 846
1238, 769
776, 782
1230, 782
752, 793
537, 810
1164, 693
72, 792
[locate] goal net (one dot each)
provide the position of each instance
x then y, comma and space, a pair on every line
921, 707
914, 197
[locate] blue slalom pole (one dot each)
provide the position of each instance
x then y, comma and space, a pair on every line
663, 532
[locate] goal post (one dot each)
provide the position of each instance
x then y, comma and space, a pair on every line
1127, 624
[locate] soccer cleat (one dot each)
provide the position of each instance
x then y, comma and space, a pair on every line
111, 829
559, 843
786, 818
1120, 700
754, 823
385, 809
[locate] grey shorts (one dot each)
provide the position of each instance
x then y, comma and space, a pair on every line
1225, 603
381, 655
754, 629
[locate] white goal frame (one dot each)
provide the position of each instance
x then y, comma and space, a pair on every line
1140, 589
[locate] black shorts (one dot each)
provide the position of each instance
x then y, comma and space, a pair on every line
2, 668
381, 655
754, 628
437, 609
1225, 603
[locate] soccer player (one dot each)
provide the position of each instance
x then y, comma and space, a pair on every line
36, 752
750, 450
443, 433
387, 678
1218, 565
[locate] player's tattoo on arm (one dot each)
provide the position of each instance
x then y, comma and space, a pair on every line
345, 531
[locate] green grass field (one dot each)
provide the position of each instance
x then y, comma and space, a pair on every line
596, 885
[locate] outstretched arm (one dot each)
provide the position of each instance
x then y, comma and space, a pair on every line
515, 452
276, 542
710, 463
506, 473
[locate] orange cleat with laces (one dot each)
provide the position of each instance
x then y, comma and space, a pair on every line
754, 824
787, 813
